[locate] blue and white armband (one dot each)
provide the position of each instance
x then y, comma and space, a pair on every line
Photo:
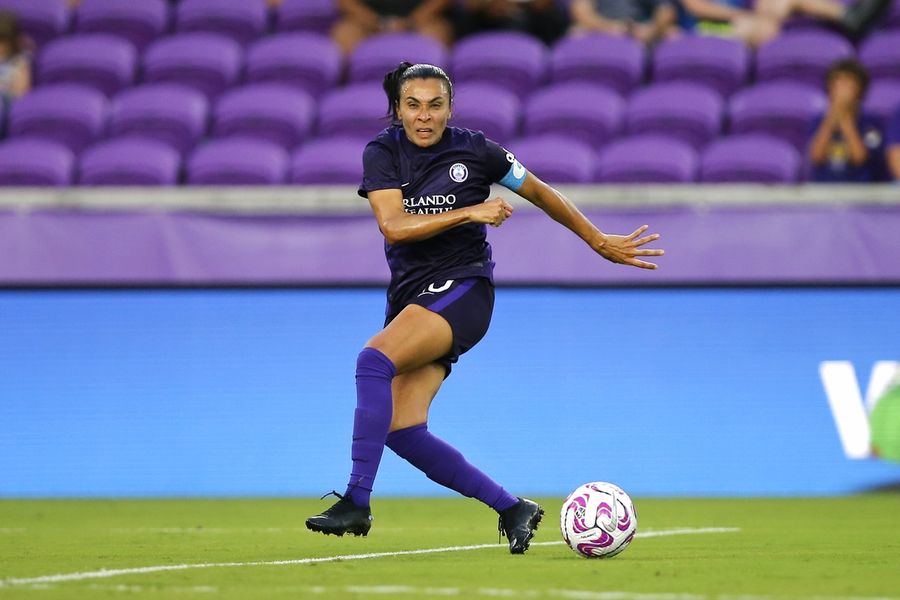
515, 177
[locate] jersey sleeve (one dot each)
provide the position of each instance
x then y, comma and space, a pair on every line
503, 168
379, 172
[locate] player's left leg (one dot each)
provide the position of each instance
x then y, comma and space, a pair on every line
410, 439
441, 462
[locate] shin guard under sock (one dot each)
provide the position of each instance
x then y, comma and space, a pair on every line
374, 373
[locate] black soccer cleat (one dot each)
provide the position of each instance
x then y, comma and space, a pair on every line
343, 517
519, 523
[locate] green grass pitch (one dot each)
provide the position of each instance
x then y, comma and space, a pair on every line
822, 548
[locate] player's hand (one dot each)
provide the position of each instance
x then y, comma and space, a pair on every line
625, 249
491, 212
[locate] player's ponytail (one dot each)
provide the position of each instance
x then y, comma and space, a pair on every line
394, 80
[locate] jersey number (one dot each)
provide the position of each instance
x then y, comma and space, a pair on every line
443, 288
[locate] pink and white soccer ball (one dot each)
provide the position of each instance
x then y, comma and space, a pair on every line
597, 520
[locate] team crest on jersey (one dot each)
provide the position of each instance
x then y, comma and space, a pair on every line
459, 172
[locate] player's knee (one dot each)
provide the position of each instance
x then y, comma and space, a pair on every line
371, 362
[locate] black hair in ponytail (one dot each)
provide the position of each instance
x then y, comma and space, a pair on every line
405, 71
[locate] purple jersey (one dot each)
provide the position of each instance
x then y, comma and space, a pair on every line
454, 173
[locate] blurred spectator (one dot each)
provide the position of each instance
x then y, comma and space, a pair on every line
847, 145
542, 19
892, 142
645, 20
757, 22
360, 19
15, 63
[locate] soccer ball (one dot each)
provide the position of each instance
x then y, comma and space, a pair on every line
597, 520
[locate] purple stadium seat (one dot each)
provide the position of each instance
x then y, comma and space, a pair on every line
42, 20
719, 63
801, 56
104, 62
306, 15
205, 61
269, 111
589, 113
329, 161
780, 109
486, 108
72, 115
309, 61
749, 158
379, 54
883, 99
129, 161
686, 111
556, 159
28, 161
647, 159
356, 110
169, 113
138, 22
614, 62
880, 52
509, 59
242, 21
237, 161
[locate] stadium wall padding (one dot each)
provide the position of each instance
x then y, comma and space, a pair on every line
250, 392
763, 243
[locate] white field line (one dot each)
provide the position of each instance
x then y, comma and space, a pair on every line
106, 573
518, 594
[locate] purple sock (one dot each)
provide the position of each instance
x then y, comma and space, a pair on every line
443, 464
374, 372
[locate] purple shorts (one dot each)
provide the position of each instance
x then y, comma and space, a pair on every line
467, 305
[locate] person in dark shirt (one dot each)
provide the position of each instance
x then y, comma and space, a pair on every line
648, 21
360, 19
427, 184
847, 145
543, 19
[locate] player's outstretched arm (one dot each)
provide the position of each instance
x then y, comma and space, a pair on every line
398, 226
622, 249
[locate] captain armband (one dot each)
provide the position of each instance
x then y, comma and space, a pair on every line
515, 177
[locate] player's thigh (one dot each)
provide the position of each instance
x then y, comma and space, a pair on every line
414, 338
413, 392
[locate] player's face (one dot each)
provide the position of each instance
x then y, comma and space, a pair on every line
424, 109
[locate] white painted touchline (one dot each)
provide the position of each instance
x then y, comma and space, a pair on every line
427, 592
105, 573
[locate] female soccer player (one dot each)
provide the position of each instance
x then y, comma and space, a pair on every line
427, 184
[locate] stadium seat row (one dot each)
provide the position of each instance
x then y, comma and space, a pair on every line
181, 117
644, 158
144, 20
212, 62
